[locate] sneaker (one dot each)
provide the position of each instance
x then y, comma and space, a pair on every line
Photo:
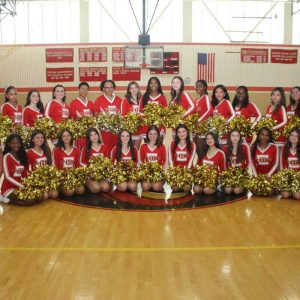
4, 199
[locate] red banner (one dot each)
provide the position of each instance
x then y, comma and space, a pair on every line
54, 55
283, 56
254, 55
118, 54
93, 54
171, 64
59, 74
92, 73
122, 74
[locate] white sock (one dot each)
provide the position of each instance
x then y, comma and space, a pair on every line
1, 210
4, 199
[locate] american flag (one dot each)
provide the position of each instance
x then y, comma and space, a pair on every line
206, 67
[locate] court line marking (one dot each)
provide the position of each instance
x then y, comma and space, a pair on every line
148, 249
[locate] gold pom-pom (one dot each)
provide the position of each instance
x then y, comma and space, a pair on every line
25, 133
6, 127
125, 171
284, 179
179, 177
294, 123
71, 125
260, 185
235, 177
151, 172
190, 122
205, 176
47, 126
109, 122
269, 123
84, 123
242, 124
295, 185
216, 124
72, 178
153, 114
100, 168
172, 116
132, 122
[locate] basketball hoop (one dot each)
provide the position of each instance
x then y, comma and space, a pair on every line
144, 66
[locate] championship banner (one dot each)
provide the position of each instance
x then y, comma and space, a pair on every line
54, 55
92, 73
118, 54
283, 56
93, 54
123, 74
171, 64
254, 55
59, 74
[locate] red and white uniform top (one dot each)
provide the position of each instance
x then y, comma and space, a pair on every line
204, 108
64, 160
225, 109
265, 161
245, 163
157, 154
217, 160
30, 115
36, 159
14, 113
124, 156
79, 108
127, 107
182, 156
13, 174
103, 104
159, 99
291, 110
248, 112
101, 150
57, 111
290, 162
187, 103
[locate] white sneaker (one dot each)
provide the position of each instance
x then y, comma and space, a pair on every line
4, 199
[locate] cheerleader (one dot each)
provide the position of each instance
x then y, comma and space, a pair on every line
1, 171
264, 153
94, 147
11, 108
276, 111
34, 108
294, 108
57, 109
109, 103
153, 151
15, 167
125, 151
237, 155
211, 154
65, 156
131, 103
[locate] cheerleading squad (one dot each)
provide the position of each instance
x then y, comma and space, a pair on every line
264, 156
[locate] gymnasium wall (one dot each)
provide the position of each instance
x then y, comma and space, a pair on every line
24, 66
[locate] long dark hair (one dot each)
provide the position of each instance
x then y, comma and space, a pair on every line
293, 102
288, 144
39, 105
158, 140
177, 140
148, 90
214, 100
205, 147
128, 95
60, 143
21, 154
282, 98
130, 145
7, 91
88, 141
44, 146
59, 85
239, 154
245, 102
204, 83
257, 141
176, 97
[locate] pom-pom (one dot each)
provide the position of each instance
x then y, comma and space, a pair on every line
100, 168
283, 180
260, 185
84, 123
242, 124
179, 177
205, 176
6, 127
47, 126
235, 177
172, 116
125, 171
191, 121
71, 125
153, 114
294, 123
152, 172
72, 178
109, 122
25, 133
269, 123
216, 124
295, 185
132, 122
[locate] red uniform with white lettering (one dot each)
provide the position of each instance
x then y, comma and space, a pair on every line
13, 174
103, 104
79, 109
245, 163
291, 110
57, 111
125, 156
30, 115
265, 161
225, 109
182, 156
281, 117
290, 162
14, 113
157, 154
102, 150
204, 108
63, 159
218, 160
36, 159
187, 103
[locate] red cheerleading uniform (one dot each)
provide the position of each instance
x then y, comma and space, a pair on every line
157, 154
14, 113
290, 162
64, 160
36, 159
30, 115
13, 174
187, 103
291, 110
248, 112
265, 161
79, 109
225, 109
218, 160
233, 158
204, 108
182, 157
102, 150
125, 156
281, 117
57, 111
